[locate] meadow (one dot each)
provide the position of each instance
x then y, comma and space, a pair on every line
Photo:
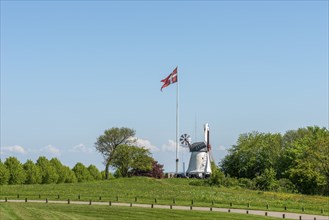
169, 192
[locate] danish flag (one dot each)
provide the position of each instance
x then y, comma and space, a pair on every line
172, 78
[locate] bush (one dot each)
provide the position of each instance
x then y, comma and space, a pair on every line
267, 180
285, 185
230, 182
247, 183
155, 172
217, 177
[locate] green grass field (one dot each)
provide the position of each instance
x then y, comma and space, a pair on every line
169, 191
37, 211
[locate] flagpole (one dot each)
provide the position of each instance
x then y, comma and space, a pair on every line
177, 125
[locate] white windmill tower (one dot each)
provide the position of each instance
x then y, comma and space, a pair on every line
199, 165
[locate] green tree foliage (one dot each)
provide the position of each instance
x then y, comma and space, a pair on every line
300, 158
110, 175
217, 176
60, 170
94, 172
130, 159
267, 180
47, 171
155, 172
307, 160
82, 173
32, 173
16, 171
110, 140
253, 153
4, 174
70, 175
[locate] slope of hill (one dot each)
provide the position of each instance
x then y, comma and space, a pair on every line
169, 191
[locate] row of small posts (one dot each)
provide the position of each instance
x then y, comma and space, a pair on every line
191, 207
173, 201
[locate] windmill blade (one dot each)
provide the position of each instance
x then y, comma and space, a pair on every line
185, 139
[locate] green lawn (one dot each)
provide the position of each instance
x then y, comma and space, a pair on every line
36, 211
168, 191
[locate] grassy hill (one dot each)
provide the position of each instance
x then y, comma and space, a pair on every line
168, 191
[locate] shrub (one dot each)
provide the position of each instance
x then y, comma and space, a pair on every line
217, 177
230, 182
247, 183
267, 180
285, 185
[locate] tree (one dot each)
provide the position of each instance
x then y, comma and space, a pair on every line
4, 174
267, 180
70, 175
82, 173
47, 171
253, 153
307, 160
300, 157
60, 170
94, 172
16, 171
107, 143
130, 159
32, 173
155, 172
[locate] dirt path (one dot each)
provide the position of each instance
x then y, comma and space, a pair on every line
287, 215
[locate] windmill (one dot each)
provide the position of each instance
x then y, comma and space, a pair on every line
199, 165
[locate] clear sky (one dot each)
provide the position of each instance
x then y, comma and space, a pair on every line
71, 69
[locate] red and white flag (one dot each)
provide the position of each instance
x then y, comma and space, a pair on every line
172, 78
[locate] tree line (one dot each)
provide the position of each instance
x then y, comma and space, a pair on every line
45, 171
297, 160
127, 160
119, 152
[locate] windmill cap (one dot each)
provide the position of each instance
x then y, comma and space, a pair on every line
198, 146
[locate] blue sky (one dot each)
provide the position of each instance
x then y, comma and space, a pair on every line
70, 70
